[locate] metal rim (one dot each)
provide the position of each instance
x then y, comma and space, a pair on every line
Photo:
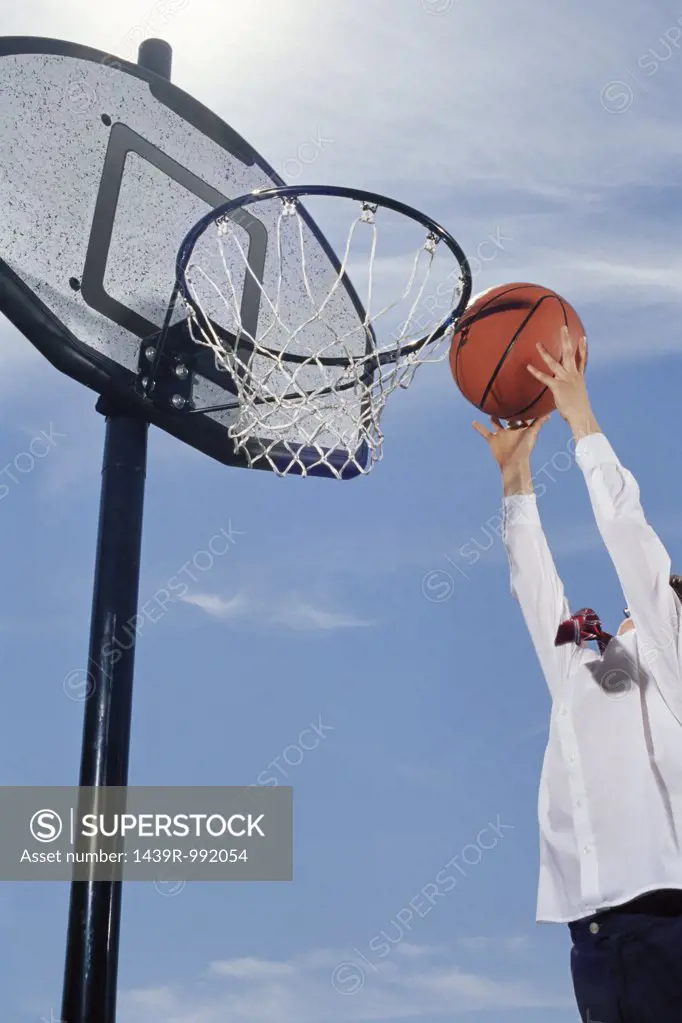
335, 191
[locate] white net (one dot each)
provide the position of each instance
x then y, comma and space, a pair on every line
310, 378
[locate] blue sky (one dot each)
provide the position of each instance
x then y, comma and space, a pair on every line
352, 606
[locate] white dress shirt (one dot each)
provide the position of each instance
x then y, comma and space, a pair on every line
610, 800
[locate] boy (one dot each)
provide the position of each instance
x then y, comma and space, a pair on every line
610, 801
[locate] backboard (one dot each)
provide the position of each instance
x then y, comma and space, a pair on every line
104, 168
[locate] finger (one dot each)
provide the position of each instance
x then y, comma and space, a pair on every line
555, 366
539, 375
497, 423
570, 354
581, 361
479, 428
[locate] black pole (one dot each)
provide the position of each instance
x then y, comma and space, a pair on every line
95, 906
157, 56
94, 912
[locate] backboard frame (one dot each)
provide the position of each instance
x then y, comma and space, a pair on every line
60, 346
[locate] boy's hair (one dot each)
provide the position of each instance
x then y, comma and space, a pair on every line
676, 583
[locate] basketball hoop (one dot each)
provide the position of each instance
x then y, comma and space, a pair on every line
310, 384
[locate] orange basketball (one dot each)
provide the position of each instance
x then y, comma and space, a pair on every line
495, 340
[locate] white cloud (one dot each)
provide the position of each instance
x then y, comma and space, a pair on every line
415, 951
289, 613
218, 607
488, 943
303, 616
301, 991
663, 278
475, 941
249, 967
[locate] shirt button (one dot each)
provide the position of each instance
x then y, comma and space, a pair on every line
579, 802
587, 849
562, 711
571, 759
594, 928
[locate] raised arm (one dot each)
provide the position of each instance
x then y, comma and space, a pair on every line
535, 582
640, 559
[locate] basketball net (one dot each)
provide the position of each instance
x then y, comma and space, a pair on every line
309, 379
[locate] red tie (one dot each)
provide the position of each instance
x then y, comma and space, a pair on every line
581, 627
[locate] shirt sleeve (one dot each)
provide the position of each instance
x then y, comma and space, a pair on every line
641, 562
536, 585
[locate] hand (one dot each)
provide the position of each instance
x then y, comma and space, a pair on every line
567, 384
511, 447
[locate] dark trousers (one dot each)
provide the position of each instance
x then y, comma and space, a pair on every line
626, 962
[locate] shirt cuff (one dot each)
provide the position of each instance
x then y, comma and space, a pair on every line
520, 509
593, 451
